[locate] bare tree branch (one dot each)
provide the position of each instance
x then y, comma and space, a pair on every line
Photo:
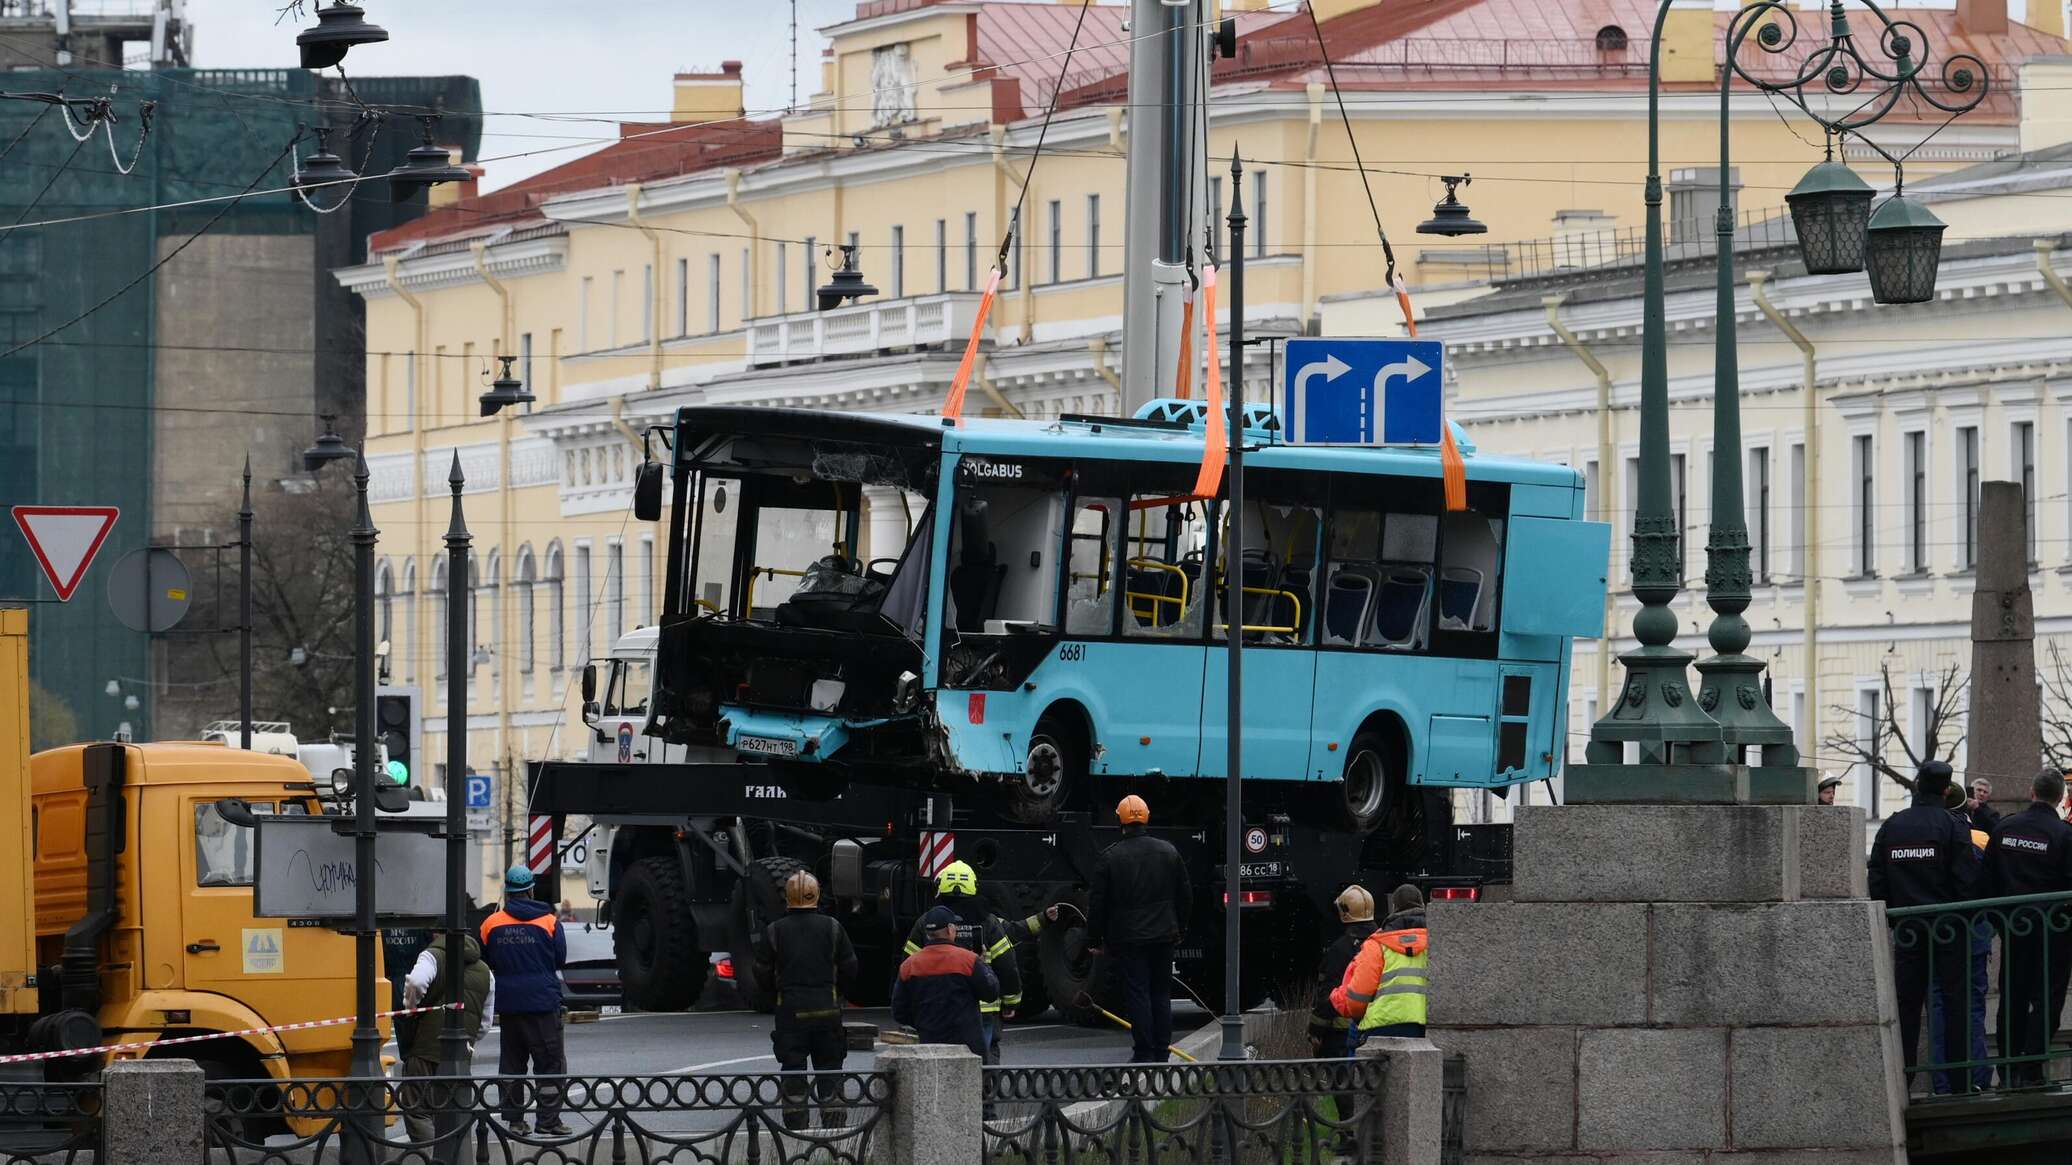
1871, 745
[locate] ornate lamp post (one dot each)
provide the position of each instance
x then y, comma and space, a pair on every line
1838, 233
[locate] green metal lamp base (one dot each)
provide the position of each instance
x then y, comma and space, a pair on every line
1655, 711
1688, 784
1730, 690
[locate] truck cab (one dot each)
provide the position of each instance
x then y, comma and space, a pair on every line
126, 958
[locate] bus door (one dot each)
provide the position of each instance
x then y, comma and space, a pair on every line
1155, 671
1278, 577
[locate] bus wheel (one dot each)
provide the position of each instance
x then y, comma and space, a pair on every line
655, 937
1367, 789
1050, 770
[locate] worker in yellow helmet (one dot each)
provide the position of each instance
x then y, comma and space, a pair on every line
988, 936
1137, 907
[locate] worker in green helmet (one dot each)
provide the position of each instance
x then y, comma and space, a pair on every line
988, 936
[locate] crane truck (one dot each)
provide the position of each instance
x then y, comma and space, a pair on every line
890, 641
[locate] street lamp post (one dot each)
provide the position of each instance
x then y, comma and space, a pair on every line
1837, 235
1234, 592
244, 613
454, 1057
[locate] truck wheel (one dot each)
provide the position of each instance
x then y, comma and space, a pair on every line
1368, 790
1073, 978
655, 938
758, 899
1051, 769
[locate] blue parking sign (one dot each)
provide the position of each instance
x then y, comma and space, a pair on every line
481, 790
1363, 392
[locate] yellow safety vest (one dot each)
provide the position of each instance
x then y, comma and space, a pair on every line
1399, 997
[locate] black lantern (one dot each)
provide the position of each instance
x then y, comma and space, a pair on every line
846, 283
1450, 216
426, 166
338, 29
1903, 252
1830, 209
505, 390
329, 447
322, 168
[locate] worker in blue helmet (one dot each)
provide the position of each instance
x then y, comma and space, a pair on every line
988, 936
525, 948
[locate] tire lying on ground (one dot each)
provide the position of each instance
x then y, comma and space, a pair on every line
655, 938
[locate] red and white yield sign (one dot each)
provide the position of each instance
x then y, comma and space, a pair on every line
65, 540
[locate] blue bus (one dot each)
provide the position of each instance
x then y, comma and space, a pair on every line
1034, 611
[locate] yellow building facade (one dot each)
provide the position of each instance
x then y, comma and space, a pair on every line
677, 266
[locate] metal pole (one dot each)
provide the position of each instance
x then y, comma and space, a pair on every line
366, 1038
1654, 709
1730, 681
244, 613
455, 1059
1234, 594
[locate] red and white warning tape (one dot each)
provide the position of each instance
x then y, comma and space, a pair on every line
255, 1031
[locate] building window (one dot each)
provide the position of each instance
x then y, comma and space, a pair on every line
611, 330
1759, 521
583, 599
1870, 741
1864, 506
1917, 502
557, 609
942, 255
583, 315
747, 300
812, 272
856, 245
409, 391
1093, 236
1593, 492
971, 250
899, 262
683, 297
647, 580
647, 304
1258, 221
712, 293
2022, 450
1057, 240
1967, 497
409, 599
614, 592
783, 279
440, 622
522, 579
1795, 488
1216, 223
525, 366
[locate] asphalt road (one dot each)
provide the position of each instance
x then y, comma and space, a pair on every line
645, 1044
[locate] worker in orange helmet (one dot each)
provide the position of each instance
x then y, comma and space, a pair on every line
1137, 911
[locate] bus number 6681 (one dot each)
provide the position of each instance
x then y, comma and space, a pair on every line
1072, 652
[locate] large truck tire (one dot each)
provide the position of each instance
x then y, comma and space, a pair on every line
1073, 978
655, 938
758, 900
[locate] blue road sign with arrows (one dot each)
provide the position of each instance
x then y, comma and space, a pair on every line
481, 790
1363, 392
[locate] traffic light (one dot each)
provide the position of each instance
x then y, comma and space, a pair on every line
399, 728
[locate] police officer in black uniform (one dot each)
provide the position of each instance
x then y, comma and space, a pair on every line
1923, 857
2031, 853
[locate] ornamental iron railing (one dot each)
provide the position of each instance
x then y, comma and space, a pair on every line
1285, 1112
49, 1122
778, 1118
1984, 983
1453, 1114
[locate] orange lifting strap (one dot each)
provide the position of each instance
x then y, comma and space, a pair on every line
1453, 469
953, 404
1183, 380
1216, 442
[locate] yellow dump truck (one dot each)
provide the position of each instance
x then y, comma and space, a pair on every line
126, 911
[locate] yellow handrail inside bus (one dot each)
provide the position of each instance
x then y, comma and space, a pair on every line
1294, 600
770, 571
1133, 597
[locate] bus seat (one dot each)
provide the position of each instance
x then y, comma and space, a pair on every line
1460, 593
1346, 603
1399, 609
975, 581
